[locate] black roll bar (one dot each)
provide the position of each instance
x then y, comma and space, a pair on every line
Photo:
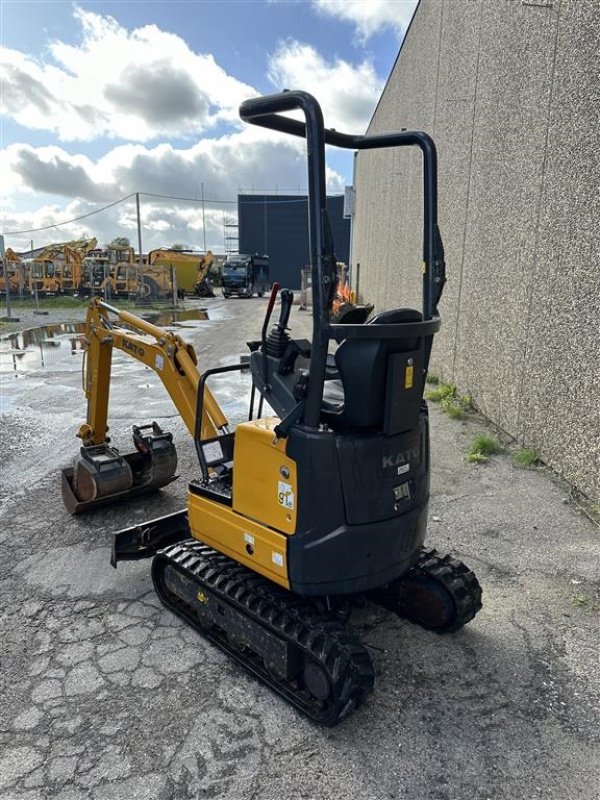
266, 112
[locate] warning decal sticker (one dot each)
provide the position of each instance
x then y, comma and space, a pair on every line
285, 495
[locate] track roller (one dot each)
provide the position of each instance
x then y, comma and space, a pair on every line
307, 658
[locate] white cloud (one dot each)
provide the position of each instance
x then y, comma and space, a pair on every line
251, 159
370, 16
347, 94
134, 85
141, 85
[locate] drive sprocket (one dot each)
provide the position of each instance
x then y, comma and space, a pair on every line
439, 593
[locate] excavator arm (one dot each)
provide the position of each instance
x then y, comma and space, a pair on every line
202, 287
101, 472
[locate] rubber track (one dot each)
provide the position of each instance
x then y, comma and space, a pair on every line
340, 655
457, 578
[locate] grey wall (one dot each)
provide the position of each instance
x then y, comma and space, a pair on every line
509, 89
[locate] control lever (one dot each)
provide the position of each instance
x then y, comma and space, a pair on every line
272, 298
287, 298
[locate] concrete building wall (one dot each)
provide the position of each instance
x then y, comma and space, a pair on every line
510, 91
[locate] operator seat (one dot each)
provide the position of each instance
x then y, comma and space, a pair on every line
358, 399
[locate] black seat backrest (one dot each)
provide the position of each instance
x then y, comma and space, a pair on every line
363, 368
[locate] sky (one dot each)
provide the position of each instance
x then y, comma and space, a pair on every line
100, 100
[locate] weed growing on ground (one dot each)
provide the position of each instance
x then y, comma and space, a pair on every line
579, 600
482, 447
432, 379
476, 458
525, 457
445, 395
444, 391
453, 409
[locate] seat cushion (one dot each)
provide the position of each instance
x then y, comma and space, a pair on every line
333, 397
357, 399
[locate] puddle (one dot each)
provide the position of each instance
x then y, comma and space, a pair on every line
55, 345
175, 317
38, 348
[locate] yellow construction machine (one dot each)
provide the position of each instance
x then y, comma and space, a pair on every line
56, 270
191, 269
296, 515
12, 270
114, 270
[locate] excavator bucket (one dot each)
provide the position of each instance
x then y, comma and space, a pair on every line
102, 476
204, 289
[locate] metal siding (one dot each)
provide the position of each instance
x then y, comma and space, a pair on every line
277, 225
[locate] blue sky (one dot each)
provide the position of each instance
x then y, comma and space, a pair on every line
101, 99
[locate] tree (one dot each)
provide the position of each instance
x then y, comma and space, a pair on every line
179, 246
120, 241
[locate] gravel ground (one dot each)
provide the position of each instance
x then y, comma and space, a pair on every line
106, 696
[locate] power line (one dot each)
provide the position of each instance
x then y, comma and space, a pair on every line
188, 199
160, 196
226, 202
69, 221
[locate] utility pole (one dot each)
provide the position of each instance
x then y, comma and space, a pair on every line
139, 227
8, 317
37, 297
203, 217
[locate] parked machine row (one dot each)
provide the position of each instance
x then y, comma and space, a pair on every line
81, 268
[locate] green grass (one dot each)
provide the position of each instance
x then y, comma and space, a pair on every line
453, 409
50, 303
442, 392
445, 394
482, 447
476, 458
579, 600
46, 303
525, 457
432, 379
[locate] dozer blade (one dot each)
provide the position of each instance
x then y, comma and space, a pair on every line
102, 476
147, 538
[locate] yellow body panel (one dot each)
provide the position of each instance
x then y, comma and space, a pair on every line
253, 545
265, 486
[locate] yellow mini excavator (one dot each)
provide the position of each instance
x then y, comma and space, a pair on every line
293, 517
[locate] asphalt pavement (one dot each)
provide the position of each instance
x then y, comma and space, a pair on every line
107, 696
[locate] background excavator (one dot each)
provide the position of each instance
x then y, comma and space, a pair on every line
294, 515
191, 268
12, 271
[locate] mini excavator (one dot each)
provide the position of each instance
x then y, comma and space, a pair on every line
293, 518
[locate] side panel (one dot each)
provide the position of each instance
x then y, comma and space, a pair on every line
247, 542
383, 476
362, 512
264, 477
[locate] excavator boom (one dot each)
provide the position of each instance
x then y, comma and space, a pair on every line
101, 474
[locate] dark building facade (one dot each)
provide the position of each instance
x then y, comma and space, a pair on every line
277, 225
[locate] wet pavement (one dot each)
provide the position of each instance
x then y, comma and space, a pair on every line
106, 696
